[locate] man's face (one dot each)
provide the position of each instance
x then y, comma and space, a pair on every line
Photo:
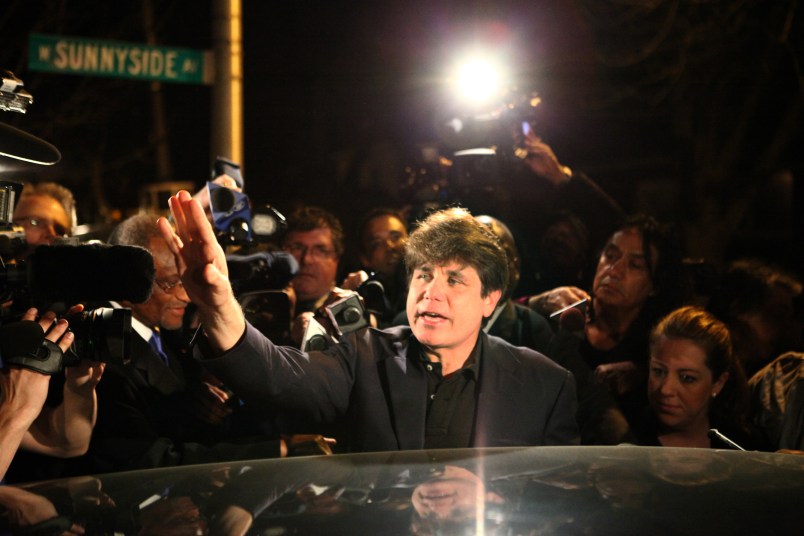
445, 307
384, 243
622, 279
318, 263
165, 308
43, 219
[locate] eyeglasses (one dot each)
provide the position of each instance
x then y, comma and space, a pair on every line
41, 224
318, 253
170, 285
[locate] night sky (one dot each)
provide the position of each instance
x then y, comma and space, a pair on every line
683, 109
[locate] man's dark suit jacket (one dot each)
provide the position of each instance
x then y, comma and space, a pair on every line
145, 418
373, 381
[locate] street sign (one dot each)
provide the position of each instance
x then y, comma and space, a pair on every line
117, 59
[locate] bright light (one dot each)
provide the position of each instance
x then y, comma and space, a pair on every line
478, 80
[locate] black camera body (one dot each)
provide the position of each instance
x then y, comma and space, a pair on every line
486, 142
348, 314
102, 334
235, 220
259, 281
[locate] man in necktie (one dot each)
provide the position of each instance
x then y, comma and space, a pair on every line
149, 413
156, 343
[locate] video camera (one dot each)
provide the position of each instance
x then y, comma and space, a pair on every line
486, 141
235, 220
99, 273
102, 334
61, 273
258, 279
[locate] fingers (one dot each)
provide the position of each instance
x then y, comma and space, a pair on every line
197, 221
217, 393
354, 280
56, 330
86, 374
227, 182
214, 408
173, 242
75, 309
192, 225
177, 211
170, 236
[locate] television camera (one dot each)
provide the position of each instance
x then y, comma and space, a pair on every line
259, 278
484, 142
62, 273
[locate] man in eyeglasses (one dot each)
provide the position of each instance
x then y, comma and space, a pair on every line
315, 239
156, 411
46, 211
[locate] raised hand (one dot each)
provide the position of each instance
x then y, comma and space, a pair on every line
202, 266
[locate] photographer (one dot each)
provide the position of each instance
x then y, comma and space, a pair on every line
25, 422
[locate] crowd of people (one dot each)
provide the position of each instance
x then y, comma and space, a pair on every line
461, 347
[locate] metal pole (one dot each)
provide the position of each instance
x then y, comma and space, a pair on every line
227, 90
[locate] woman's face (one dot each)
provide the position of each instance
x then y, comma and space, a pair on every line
680, 385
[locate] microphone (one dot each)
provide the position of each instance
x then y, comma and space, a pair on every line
373, 294
714, 433
17, 144
563, 346
91, 272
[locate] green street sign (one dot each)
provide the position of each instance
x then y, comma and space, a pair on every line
99, 57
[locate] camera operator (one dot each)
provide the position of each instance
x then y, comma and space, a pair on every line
45, 211
25, 422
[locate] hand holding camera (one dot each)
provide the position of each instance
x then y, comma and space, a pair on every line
541, 159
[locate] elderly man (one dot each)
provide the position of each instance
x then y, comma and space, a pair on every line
147, 415
439, 383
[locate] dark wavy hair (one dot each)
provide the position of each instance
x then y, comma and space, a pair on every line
453, 235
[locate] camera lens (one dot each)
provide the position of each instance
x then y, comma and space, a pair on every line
102, 334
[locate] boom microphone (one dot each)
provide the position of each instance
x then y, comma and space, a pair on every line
92, 272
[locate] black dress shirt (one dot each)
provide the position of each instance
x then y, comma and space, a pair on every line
451, 403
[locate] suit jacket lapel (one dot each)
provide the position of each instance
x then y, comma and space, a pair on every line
406, 392
496, 402
156, 373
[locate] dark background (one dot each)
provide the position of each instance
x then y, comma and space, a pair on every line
690, 110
